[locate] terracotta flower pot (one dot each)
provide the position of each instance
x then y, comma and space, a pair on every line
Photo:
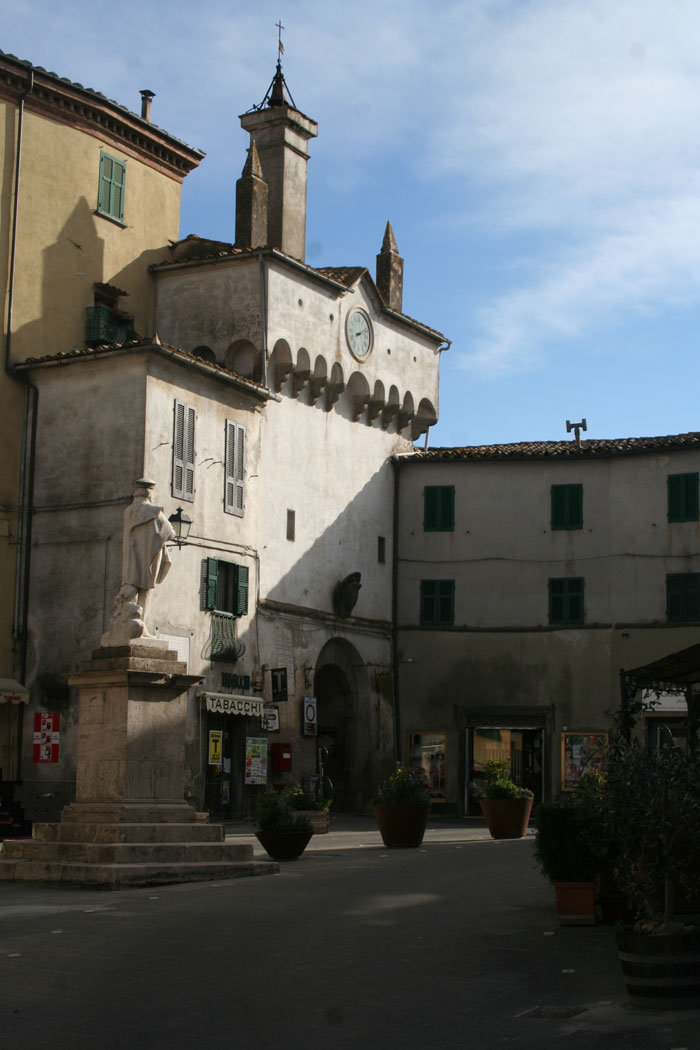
575, 903
507, 818
402, 825
284, 845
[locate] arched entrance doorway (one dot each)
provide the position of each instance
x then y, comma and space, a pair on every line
341, 686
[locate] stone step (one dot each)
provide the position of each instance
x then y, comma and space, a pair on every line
77, 831
114, 875
166, 853
132, 812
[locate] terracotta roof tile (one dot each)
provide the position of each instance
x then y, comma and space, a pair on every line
602, 448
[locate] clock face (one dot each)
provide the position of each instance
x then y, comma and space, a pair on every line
358, 330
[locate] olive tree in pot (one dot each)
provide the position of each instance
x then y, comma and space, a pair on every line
283, 833
652, 813
506, 807
402, 806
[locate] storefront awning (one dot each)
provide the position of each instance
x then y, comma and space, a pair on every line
230, 704
12, 692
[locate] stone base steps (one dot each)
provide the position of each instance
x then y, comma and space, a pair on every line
74, 831
146, 874
166, 853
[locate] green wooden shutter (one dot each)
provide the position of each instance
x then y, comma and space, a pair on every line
575, 509
428, 601
575, 611
675, 497
110, 193
446, 519
241, 590
212, 583
430, 507
446, 601
567, 507
556, 601
683, 502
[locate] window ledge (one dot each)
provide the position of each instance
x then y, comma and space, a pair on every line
110, 218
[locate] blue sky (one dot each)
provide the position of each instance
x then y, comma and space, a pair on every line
539, 161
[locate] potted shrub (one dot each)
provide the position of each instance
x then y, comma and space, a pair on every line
316, 810
402, 806
506, 807
283, 833
652, 811
564, 854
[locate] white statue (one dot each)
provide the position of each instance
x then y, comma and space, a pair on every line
145, 562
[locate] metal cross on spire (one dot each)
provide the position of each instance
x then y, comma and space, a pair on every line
280, 45
278, 94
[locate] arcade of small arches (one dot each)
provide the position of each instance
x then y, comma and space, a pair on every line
319, 386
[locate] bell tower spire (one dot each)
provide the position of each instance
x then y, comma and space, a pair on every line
281, 133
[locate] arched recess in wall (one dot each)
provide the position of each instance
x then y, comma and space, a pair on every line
406, 412
319, 379
205, 353
425, 417
392, 406
342, 690
243, 358
377, 401
334, 386
357, 393
280, 365
301, 373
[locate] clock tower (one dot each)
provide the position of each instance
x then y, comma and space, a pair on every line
281, 133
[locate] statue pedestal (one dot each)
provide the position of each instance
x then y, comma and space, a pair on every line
129, 825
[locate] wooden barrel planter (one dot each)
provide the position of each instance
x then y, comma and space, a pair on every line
662, 972
402, 825
507, 818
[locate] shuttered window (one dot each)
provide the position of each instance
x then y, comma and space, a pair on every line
437, 603
683, 596
566, 600
235, 469
110, 192
226, 586
185, 419
683, 504
567, 507
439, 508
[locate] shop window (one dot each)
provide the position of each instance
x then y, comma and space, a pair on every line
566, 601
428, 751
437, 603
439, 508
567, 507
683, 503
683, 596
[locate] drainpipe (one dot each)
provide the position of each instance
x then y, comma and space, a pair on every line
26, 481
263, 318
395, 612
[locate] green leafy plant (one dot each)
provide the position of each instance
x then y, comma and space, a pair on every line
562, 848
273, 812
407, 785
500, 784
298, 799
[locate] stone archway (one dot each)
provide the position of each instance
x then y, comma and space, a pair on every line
341, 687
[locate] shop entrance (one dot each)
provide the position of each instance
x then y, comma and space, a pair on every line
341, 686
225, 766
334, 722
522, 747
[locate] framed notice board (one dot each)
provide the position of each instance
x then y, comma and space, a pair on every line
581, 749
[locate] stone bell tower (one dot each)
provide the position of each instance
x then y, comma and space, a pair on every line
281, 133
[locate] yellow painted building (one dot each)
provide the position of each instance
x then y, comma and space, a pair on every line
89, 197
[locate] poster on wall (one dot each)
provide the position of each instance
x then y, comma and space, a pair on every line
216, 738
47, 729
256, 760
581, 750
270, 719
278, 679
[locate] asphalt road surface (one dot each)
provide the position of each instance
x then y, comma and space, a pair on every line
451, 947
